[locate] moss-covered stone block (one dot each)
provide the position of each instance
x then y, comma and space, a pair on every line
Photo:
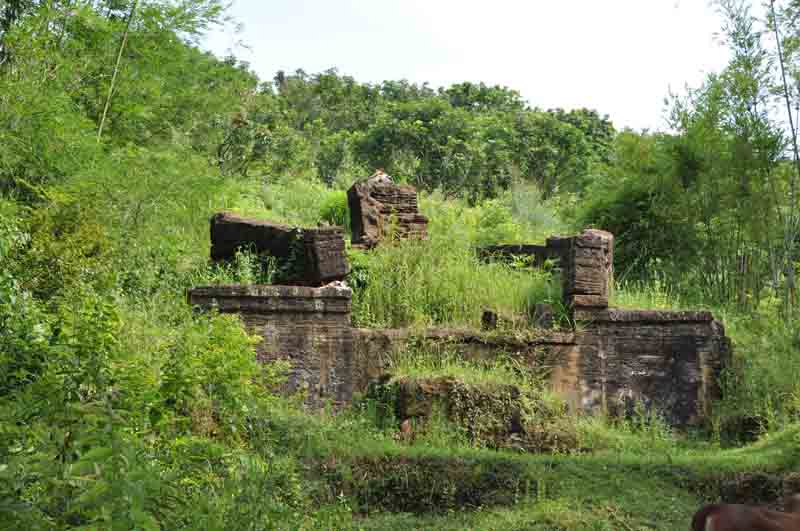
491, 415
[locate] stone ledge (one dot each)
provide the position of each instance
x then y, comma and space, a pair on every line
614, 315
465, 336
332, 298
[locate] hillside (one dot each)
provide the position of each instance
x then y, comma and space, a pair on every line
124, 407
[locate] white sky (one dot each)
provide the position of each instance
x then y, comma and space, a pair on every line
617, 56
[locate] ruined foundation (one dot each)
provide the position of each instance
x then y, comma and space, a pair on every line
664, 360
311, 257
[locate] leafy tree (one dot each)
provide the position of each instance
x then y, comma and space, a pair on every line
598, 131
480, 97
720, 192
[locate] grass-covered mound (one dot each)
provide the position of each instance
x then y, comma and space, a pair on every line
408, 482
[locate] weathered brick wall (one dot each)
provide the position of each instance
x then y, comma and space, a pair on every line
230, 232
309, 327
669, 361
313, 256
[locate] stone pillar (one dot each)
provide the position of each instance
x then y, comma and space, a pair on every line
325, 255
587, 270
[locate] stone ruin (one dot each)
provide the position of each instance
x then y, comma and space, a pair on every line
379, 207
667, 360
314, 257
309, 327
586, 262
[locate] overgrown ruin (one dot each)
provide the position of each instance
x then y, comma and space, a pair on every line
612, 360
379, 207
310, 257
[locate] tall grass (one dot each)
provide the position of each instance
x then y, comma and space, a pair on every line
653, 294
441, 281
421, 362
764, 378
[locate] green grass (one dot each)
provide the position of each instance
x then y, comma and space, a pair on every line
442, 282
419, 362
655, 294
649, 478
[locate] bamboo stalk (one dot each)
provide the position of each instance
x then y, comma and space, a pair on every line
791, 219
116, 69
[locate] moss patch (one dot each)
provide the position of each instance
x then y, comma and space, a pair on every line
429, 484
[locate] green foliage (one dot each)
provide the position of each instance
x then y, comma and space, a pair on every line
469, 139
711, 204
457, 401
24, 326
275, 148
336, 162
418, 284
762, 382
300, 202
335, 211
394, 482
630, 200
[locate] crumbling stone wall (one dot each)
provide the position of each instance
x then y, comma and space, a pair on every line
313, 256
668, 361
378, 205
309, 327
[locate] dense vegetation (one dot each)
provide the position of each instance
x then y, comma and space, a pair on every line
121, 408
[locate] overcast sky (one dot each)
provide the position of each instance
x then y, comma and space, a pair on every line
618, 56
